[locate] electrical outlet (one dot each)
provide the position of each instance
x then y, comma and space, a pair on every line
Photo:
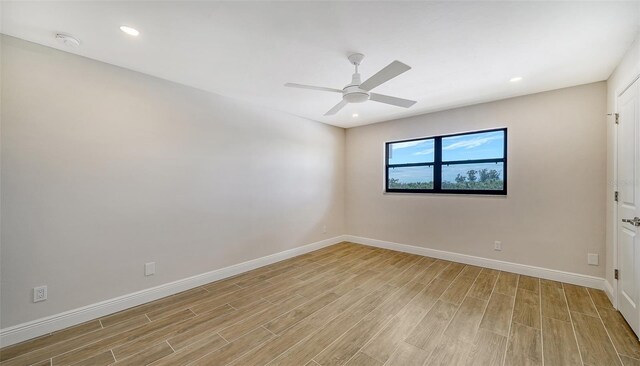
39, 293
150, 269
324, 229
497, 245
592, 259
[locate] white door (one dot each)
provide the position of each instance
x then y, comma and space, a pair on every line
629, 206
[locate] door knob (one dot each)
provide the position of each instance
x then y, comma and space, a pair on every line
634, 221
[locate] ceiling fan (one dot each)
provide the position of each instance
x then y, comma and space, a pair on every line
358, 92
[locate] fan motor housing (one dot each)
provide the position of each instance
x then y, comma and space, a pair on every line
353, 94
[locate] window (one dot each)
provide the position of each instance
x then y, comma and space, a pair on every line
467, 163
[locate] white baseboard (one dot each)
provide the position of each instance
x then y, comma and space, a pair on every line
38, 327
608, 289
550, 274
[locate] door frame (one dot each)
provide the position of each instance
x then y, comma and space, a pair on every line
618, 93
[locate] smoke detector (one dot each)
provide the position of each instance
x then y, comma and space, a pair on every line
67, 40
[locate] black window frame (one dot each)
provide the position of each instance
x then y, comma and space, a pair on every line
438, 164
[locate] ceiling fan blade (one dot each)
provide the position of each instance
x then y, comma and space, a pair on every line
320, 88
336, 108
389, 72
406, 103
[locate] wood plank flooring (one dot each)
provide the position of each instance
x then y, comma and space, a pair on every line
350, 304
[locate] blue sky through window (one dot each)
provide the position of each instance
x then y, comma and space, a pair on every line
484, 145
413, 174
419, 151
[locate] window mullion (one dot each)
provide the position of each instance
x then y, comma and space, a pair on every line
473, 161
408, 165
437, 165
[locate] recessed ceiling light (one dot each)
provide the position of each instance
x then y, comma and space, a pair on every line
354, 115
130, 31
515, 79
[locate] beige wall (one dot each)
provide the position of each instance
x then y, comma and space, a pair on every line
104, 169
554, 213
624, 73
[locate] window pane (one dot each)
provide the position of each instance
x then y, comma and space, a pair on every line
485, 176
483, 145
419, 151
415, 177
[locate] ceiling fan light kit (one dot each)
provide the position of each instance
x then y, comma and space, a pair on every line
359, 92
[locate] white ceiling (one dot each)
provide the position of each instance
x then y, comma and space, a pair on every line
461, 52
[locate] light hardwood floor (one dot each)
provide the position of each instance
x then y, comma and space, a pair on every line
350, 304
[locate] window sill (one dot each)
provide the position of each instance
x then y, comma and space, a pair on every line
479, 195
